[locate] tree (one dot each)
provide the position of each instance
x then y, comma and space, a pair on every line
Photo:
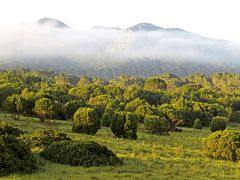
132, 92
235, 117
117, 124
156, 125
130, 126
235, 106
100, 103
155, 84
72, 106
144, 110
29, 99
44, 108
134, 104
197, 124
218, 123
14, 105
59, 111
124, 125
86, 120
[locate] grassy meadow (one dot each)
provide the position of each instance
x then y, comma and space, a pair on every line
178, 156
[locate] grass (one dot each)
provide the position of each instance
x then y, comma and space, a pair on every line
178, 156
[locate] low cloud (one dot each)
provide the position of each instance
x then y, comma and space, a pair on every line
33, 42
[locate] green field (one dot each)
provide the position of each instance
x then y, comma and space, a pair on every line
178, 156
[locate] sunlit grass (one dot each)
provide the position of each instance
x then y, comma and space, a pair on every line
178, 156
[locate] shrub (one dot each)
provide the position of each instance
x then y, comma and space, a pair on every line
86, 120
156, 125
197, 124
7, 129
124, 125
235, 117
71, 107
130, 126
218, 123
106, 119
44, 108
223, 145
117, 124
80, 153
15, 156
43, 138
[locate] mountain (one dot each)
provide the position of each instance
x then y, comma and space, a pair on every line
144, 27
51, 22
143, 50
151, 27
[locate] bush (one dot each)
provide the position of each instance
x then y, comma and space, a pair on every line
7, 129
71, 107
15, 156
86, 120
156, 125
130, 126
235, 117
197, 124
124, 125
80, 153
218, 123
43, 138
106, 119
117, 124
223, 145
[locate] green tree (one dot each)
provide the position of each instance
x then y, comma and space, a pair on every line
72, 106
86, 120
130, 126
14, 105
156, 125
218, 123
44, 108
197, 124
154, 84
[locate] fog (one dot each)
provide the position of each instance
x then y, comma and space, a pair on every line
33, 42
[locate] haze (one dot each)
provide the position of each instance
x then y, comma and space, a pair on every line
215, 18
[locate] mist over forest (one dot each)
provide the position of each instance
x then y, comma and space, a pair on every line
143, 50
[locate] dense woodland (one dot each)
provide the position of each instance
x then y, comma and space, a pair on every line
128, 107
179, 100
108, 68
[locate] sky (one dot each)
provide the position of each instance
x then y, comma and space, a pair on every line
211, 18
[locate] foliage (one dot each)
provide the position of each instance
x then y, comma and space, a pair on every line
197, 124
44, 107
7, 129
130, 126
218, 123
86, 120
134, 104
71, 107
80, 153
14, 105
155, 84
223, 145
235, 117
15, 156
124, 125
156, 125
44, 137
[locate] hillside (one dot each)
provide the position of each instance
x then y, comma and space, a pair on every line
143, 50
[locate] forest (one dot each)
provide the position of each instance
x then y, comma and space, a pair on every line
147, 125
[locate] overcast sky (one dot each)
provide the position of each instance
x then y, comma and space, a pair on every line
212, 18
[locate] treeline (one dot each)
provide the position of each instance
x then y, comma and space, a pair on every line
112, 68
162, 102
